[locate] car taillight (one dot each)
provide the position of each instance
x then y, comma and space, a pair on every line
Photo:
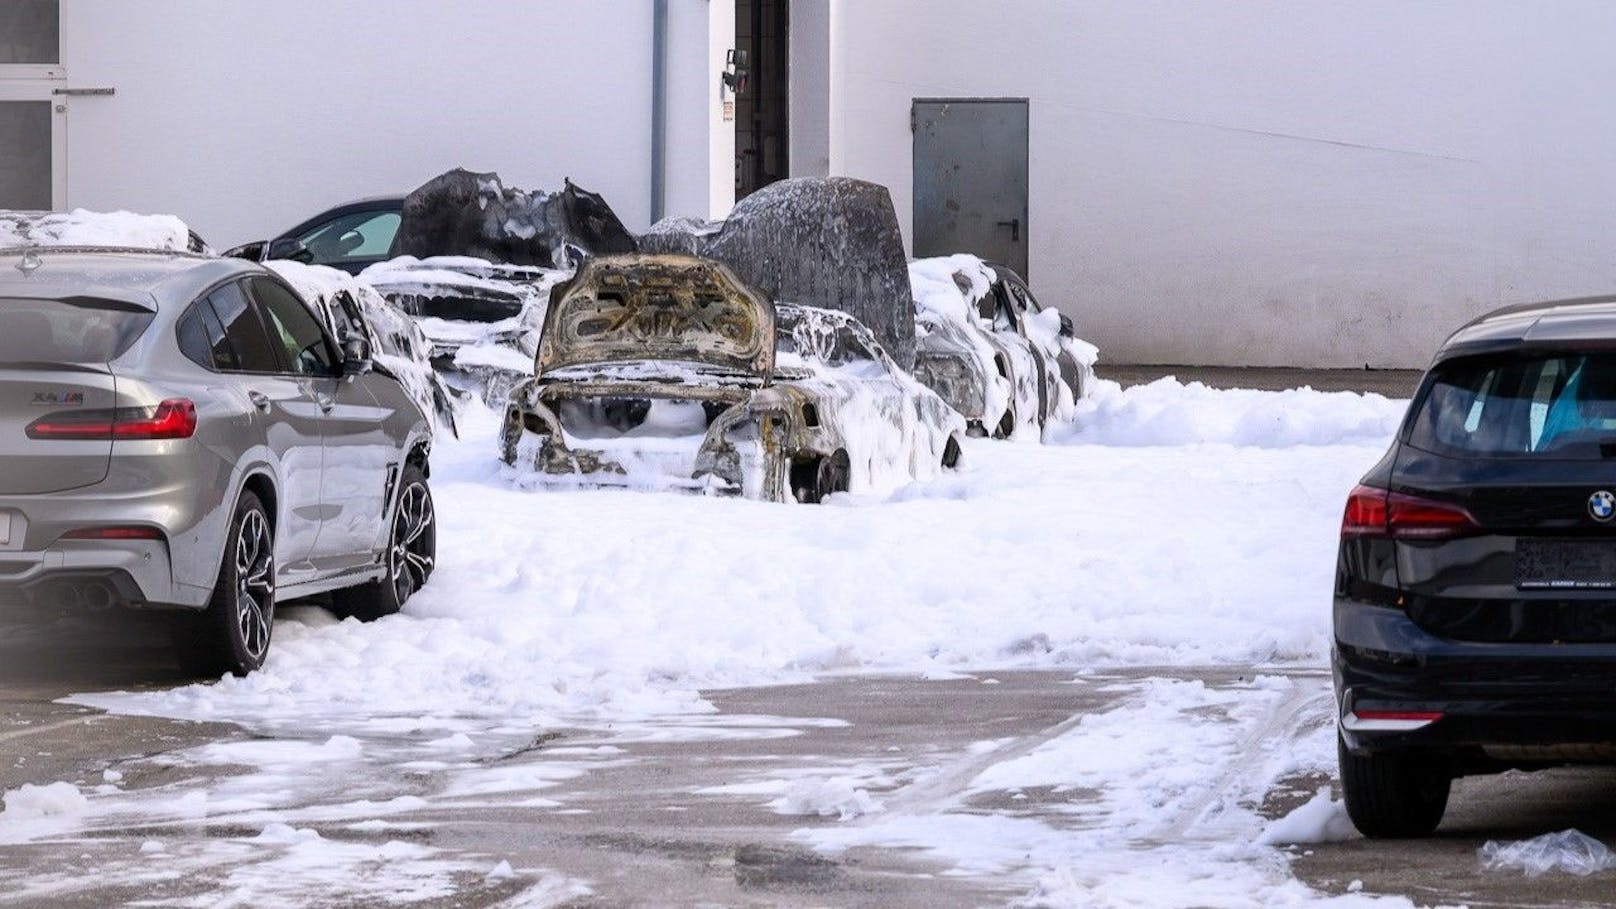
172, 419
1366, 513
1375, 512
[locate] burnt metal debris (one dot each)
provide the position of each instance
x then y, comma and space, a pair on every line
462, 213
667, 364
829, 242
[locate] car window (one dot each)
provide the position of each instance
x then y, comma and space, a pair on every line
290, 323
244, 335
1552, 406
360, 235
59, 331
202, 338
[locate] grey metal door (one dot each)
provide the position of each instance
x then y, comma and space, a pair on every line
970, 166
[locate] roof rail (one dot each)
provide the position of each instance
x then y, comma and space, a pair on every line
142, 250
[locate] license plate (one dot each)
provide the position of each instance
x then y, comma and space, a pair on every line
1565, 564
5, 529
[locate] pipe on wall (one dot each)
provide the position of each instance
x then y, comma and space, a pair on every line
659, 109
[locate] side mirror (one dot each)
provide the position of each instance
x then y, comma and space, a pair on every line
1067, 330
288, 248
252, 252
356, 360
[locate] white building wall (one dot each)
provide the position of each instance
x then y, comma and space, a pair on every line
810, 49
1298, 183
246, 117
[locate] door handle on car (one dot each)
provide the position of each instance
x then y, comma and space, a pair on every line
259, 400
325, 402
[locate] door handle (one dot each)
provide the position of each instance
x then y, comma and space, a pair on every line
325, 402
259, 400
1015, 229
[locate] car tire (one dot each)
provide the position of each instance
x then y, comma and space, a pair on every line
412, 552
1391, 795
830, 475
232, 634
1007, 424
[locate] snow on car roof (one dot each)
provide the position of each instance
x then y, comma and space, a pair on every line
82, 227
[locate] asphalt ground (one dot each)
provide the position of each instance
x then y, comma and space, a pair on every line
633, 830
636, 829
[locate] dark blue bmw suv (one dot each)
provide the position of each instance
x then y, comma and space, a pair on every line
1475, 594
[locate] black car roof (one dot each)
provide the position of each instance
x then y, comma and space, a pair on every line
370, 203
1547, 323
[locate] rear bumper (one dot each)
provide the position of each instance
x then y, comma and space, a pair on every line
1493, 699
84, 575
177, 489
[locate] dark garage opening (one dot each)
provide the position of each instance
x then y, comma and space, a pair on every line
761, 107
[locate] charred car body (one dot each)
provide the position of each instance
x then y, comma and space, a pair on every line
984, 343
481, 320
668, 366
471, 259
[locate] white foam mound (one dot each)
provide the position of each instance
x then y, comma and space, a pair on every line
53, 800
838, 797
1321, 820
93, 228
1168, 412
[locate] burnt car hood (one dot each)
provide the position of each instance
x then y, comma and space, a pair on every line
658, 309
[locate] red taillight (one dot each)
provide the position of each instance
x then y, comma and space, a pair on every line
114, 533
1366, 513
172, 419
1375, 512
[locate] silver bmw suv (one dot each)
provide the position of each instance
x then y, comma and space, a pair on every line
178, 432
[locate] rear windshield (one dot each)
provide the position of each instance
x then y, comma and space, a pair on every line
62, 331
1559, 406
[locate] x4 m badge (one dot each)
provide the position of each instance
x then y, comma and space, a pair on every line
58, 399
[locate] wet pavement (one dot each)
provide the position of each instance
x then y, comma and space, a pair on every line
656, 813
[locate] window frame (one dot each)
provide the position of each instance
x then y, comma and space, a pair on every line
206, 298
262, 310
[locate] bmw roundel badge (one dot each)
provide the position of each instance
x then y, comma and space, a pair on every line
1602, 505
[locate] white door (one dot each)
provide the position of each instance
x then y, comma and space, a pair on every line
33, 128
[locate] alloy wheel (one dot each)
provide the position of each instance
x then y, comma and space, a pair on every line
410, 559
255, 584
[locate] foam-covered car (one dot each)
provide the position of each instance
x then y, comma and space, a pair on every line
667, 371
351, 308
985, 344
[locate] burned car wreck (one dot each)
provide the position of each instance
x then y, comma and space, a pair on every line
668, 371
983, 342
352, 309
481, 319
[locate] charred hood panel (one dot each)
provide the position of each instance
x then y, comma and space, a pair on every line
639, 308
